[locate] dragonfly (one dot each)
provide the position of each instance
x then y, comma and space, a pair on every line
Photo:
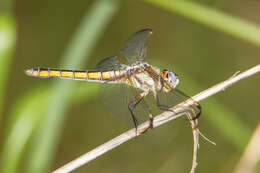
139, 75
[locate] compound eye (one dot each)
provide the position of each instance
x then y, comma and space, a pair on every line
173, 79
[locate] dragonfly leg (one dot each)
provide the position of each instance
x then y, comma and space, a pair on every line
132, 105
199, 113
195, 103
195, 114
150, 115
151, 120
167, 108
161, 106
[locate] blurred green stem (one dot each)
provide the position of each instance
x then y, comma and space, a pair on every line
22, 121
7, 43
213, 18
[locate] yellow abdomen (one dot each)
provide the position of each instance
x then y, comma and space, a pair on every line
101, 76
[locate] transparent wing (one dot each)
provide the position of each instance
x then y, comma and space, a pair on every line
135, 48
116, 98
109, 63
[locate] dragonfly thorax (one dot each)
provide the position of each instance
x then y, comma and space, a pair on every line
148, 78
143, 76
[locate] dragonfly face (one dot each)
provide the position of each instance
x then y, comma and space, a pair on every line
171, 79
138, 74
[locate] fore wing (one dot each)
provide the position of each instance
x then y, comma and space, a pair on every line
135, 48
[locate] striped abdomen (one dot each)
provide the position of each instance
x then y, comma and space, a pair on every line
101, 76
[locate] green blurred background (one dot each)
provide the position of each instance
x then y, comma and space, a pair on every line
47, 123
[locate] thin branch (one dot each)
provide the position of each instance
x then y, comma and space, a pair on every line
158, 120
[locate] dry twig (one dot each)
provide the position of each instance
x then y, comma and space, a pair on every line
158, 120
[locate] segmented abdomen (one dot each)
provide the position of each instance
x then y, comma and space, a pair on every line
101, 76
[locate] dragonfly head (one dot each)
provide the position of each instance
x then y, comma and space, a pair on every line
171, 78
